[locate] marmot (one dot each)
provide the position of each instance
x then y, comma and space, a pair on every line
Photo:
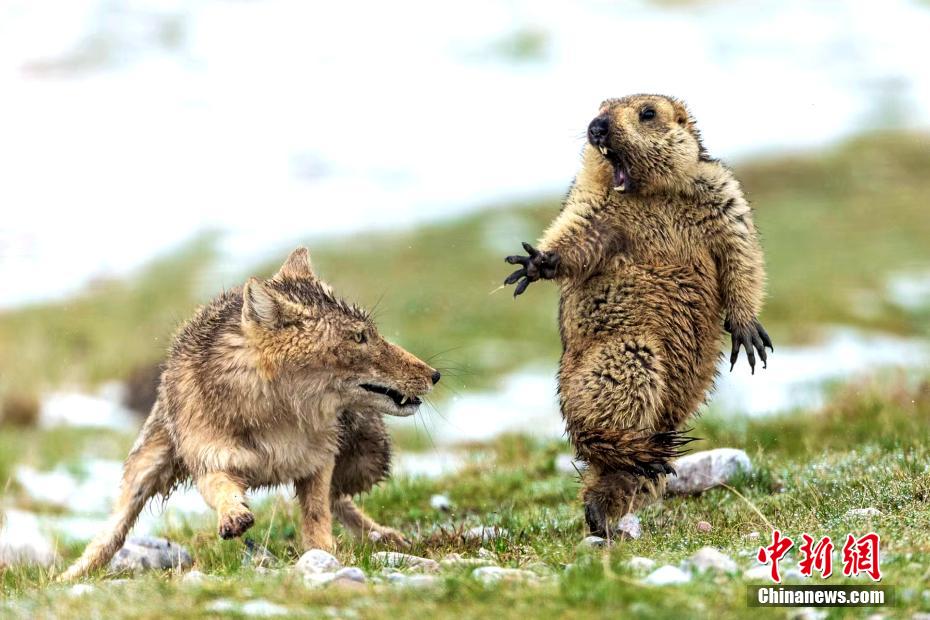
654, 250
278, 381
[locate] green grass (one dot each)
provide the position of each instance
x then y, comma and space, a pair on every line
867, 449
835, 225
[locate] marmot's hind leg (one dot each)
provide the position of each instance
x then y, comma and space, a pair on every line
612, 401
363, 461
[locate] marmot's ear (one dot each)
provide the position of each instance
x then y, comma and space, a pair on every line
260, 305
297, 265
682, 115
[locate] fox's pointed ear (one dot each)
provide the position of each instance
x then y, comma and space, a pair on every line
260, 305
297, 265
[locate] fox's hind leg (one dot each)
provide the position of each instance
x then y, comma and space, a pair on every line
612, 399
226, 495
150, 469
363, 461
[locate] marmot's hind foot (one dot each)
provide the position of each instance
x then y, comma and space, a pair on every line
596, 519
654, 460
636, 452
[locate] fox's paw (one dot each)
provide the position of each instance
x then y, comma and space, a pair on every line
235, 522
534, 266
388, 536
752, 336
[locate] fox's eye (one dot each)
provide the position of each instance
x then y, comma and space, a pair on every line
647, 114
361, 337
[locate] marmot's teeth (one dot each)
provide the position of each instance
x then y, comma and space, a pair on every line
603, 150
621, 187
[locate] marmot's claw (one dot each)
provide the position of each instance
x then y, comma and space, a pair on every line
535, 265
754, 339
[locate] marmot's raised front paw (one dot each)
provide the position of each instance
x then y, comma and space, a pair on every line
534, 266
749, 336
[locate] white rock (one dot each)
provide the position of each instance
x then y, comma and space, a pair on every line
752, 536
871, 511
454, 560
641, 564
318, 579
221, 605
710, 559
317, 561
416, 581
567, 464
80, 589
262, 608
194, 578
493, 574
142, 553
764, 572
706, 469
485, 533
667, 575
594, 541
351, 573
22, 542
440, 502
629, 527
486, 554
394, 559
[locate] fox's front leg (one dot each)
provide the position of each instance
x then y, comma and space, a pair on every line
226, 494
313, 493
362, 525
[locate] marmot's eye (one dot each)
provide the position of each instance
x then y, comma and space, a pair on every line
647, 114
361, 337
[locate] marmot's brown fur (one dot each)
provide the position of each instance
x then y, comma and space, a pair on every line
275, 382
655, 250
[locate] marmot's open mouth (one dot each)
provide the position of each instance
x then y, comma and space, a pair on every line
399, 399
621, 177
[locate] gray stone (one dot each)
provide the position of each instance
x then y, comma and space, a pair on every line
318, 579
595, 542
143, 553
194, 577
394, 559
703, 527
485, 533
415, 581
80, 589
706, 469
316, 561
351, 573
455, 560
667, 575
710, 559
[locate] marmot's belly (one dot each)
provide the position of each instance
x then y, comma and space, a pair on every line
673, 307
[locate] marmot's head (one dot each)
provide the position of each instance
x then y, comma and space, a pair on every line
649, 142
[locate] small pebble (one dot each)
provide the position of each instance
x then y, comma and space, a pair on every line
704, 527
485, 533
595, 542
710, 559
700, 471
352, 573
262, 608
629, 527
441, 503
317, 561
667, 575
871, 511
641, 564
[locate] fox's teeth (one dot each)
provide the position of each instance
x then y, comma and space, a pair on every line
403, 401
603, 150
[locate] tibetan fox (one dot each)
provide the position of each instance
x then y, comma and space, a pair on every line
275, 382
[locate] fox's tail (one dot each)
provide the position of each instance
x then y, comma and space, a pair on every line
150, 469
638, 452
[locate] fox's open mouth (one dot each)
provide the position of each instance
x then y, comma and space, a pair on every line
621, 174
399, 399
